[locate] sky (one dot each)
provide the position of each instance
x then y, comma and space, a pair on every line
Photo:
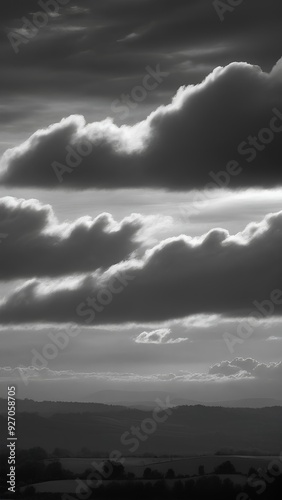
141, 198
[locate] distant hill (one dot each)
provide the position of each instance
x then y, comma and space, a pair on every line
247, 403
188, 430
138, 399
52, 407
110, 400
131, 397
142, 399
241, 403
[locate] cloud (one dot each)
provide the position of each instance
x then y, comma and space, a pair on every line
158, 337
247, 368
218, 273
184, 145
129, 37
238, 369
177, 35
273, 338
37, 374
37, 245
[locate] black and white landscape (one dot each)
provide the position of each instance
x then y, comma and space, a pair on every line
140, 248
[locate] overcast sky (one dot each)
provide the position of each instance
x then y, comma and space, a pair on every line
141, 197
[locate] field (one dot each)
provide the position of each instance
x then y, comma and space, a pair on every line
73, 486
186, 465
190, 430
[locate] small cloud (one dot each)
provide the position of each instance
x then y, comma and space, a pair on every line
68, 29
158, 337
54, 14
75, 9
129, 37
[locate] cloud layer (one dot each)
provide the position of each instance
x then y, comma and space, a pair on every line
247, 368
36, 244
215, 274
239, 369
187, 144
187, 38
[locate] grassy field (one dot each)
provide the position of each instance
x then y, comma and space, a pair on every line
70, 485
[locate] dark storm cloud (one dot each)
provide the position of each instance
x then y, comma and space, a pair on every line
37, 245
218, 273
92, 42
225, 132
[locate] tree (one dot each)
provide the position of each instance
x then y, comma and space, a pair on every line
54, 471
85, 452
225, 468
29, 491
31, 471
252, 471
170, 474
37, 453
156, 474
113, 470
61, 453
147, 474
201, 470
